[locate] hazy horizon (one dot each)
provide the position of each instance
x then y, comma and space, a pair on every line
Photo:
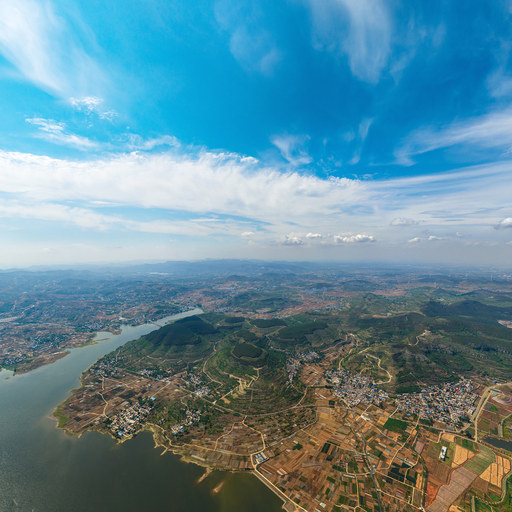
166, 266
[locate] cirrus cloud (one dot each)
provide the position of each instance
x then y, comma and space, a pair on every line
46, 50
360, 29
402, 221
57, 133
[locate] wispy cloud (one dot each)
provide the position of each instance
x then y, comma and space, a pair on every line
359, 138
93, 104
361, 29
402, 221
293, 148
45, 50
254, 50
500, 83
56, 132
135, 142
491, 131
89, 218
250, 43
81, 217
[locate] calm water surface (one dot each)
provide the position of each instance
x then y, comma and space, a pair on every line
499, 443
43, 469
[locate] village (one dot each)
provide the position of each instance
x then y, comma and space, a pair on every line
451, 404
355, 389
294, 362
128, 422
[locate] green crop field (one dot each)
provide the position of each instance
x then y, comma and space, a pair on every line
480, 461
395, 425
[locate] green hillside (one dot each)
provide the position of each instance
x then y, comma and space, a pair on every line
186, 331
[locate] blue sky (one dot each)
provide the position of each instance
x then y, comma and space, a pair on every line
302, 129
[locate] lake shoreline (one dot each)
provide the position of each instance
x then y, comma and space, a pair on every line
156, 432
45, 469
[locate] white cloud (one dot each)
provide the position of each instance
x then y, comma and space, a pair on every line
430, 238
292, 240
92, 104
56, 132
38, 42
361, 29
248, 234
492, 131
353, 239
196, 192
292, 148
133, 142
206, 182
87, 103
505, 223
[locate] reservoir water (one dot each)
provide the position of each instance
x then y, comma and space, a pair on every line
44, 469
499, 443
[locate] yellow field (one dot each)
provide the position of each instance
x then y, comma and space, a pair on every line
419, 482
382, 419
496, 471
461, 455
